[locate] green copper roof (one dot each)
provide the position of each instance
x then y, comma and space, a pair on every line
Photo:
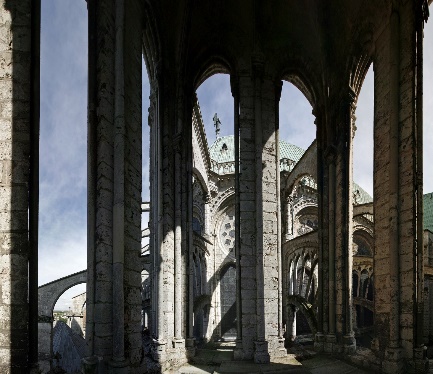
222, 154
428, 211
223, 150
360, 196
290, 151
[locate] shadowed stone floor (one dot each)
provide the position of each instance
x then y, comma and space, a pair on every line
218, 359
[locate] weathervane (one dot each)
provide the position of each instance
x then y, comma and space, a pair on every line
216, 123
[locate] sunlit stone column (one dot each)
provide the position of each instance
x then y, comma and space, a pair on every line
247, 185
178, 286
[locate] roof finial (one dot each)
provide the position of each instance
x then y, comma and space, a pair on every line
216, 123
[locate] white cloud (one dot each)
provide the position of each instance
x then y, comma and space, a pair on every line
63, 139
296, 119
363, 141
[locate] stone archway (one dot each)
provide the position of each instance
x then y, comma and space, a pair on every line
48, 294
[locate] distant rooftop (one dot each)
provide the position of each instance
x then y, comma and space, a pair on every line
222, 154
70, 346
360, 195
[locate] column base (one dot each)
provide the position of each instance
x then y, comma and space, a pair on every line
34, 369
375, 345
120, 366
330, 344
89, 365
238, 353
159, 353
261, 352
190, 342
349, 344
420, 360
393, 361
319, 342
190, 347
178, 343
277, 348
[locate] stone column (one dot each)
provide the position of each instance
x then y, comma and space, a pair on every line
386, 246
188, 215
34, 325
277, 90
323, 250
100, 181
344, 224
154, 161
171, 214
247, 245
114, 280
397, 187
178, 289
238, 353
118, 354
159, 179
268, 260
291, 323
295, 278
420, 357
331, 338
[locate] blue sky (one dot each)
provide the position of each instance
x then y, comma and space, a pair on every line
63, 148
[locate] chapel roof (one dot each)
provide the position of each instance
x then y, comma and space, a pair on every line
360, 195
222, 155
223, 150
